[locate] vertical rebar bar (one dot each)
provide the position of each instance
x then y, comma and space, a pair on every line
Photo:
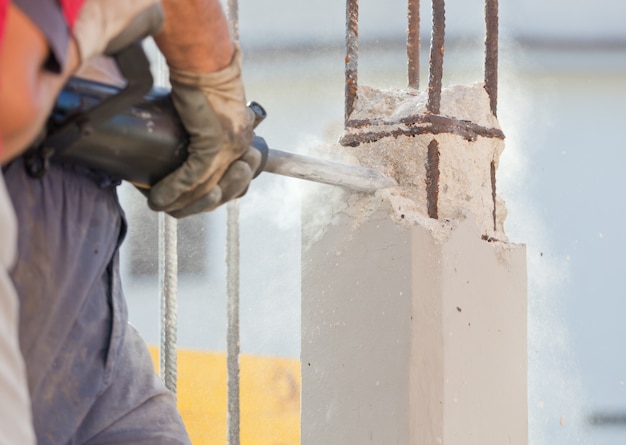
432, 179
436, 56
168, 276
232, 313
232, 286
233, 18
491, 79
491, 53
168, 280
352, 56
494, 195
413, 43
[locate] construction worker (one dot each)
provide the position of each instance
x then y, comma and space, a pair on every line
89, 374
36, 57
32, 71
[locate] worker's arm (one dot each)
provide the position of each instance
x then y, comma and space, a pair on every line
39, 54
208, 93
28, 88
195, 36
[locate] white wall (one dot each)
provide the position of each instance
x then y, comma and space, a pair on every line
277, 22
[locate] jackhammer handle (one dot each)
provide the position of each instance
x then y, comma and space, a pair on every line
141, 144
258, 142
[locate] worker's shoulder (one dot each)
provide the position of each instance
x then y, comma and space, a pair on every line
55, 20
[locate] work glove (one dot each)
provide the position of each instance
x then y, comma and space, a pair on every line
220, 162
108, 26
234, 184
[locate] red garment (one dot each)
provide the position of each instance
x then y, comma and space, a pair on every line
4, 5
55, 18
71, 9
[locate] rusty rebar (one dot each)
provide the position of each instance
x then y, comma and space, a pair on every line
494, 196
436, 56
352, 55
432, 179
491, 81
491, 53
413, 43
417, 125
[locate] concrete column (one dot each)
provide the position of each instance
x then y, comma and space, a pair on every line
414, 328
413, 338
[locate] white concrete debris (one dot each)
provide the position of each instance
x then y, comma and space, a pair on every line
465, 184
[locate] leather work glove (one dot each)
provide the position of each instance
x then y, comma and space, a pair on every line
234, 184
108, 26
220, 162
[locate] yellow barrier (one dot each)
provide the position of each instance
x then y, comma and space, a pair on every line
269, 397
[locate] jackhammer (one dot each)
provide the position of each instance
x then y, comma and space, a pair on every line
135, 134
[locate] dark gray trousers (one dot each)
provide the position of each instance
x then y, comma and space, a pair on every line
90, 376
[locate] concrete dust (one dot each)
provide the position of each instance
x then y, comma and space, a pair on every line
462, 102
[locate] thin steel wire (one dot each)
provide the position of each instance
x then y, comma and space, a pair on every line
491, 53
436, 57
233, 18
168, 276
232, 285
168, 280
352, 56
413, 44
232, 310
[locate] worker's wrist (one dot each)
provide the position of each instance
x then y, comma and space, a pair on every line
198, 61
195, 36
231, 72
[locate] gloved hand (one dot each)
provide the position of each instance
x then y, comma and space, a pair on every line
107, 26
234, 184
220, 162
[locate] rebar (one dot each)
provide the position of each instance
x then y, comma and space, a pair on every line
232, 313
494, 196
233, 18
413, 44
491, 79
232, 287
432, 179
168, 276
491, 53
352, 55
416, 125
436, 56
168, 280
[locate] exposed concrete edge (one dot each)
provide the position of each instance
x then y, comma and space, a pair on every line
359, 207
